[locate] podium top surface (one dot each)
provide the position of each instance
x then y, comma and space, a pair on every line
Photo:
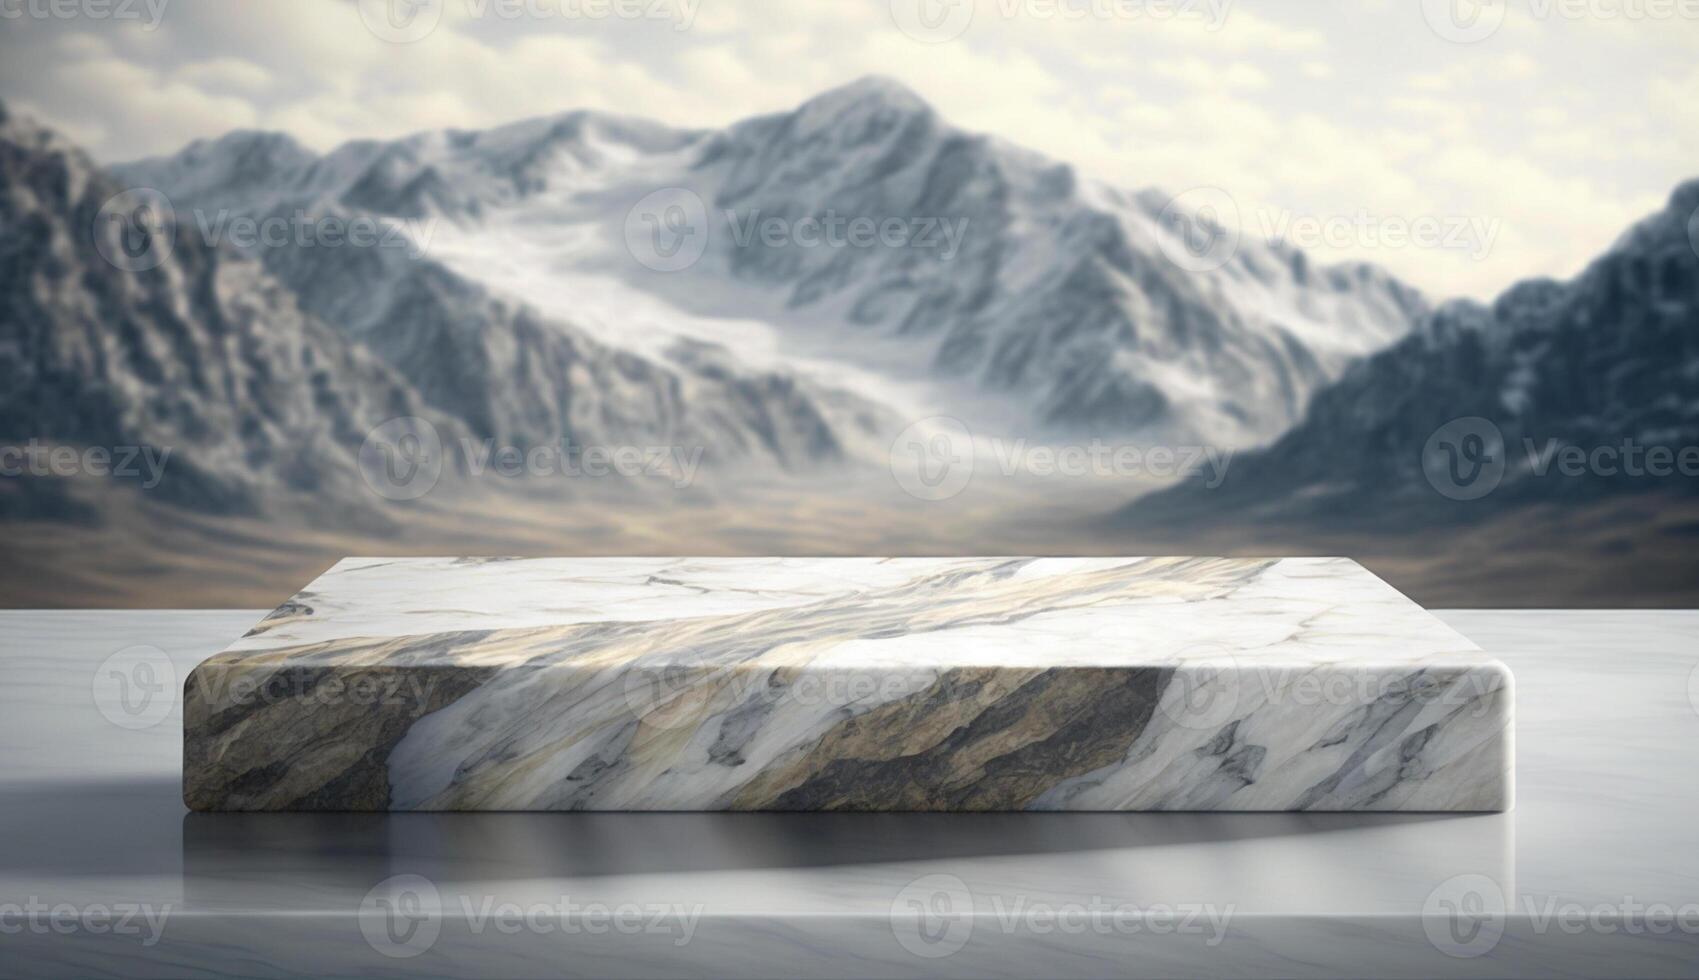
855, 612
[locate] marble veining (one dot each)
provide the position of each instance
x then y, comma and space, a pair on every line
861, 684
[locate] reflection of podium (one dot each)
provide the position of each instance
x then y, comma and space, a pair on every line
770, 891
961, 684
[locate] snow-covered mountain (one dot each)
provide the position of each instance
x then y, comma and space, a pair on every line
207, 356
263, 370
525, 379
1558, 393
509, 371
1062, 294
454, 172
1021, 296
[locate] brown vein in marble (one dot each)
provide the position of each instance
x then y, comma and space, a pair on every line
972, 735
1002, 738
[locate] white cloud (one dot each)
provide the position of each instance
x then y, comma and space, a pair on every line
1325, 107
226, 74
1199, 73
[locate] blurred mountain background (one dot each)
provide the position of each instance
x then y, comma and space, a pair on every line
851, 327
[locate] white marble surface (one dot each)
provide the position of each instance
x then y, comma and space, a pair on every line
1605, 825
1089, 611
857, 683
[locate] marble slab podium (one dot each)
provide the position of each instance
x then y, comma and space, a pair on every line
849, 684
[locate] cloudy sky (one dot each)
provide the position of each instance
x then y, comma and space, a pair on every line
1509, 138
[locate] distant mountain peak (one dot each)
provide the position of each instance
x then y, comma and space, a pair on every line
258, 141
21, 127
868, 94
1685, 197
882, 88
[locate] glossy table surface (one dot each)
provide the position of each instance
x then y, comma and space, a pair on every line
103, 870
